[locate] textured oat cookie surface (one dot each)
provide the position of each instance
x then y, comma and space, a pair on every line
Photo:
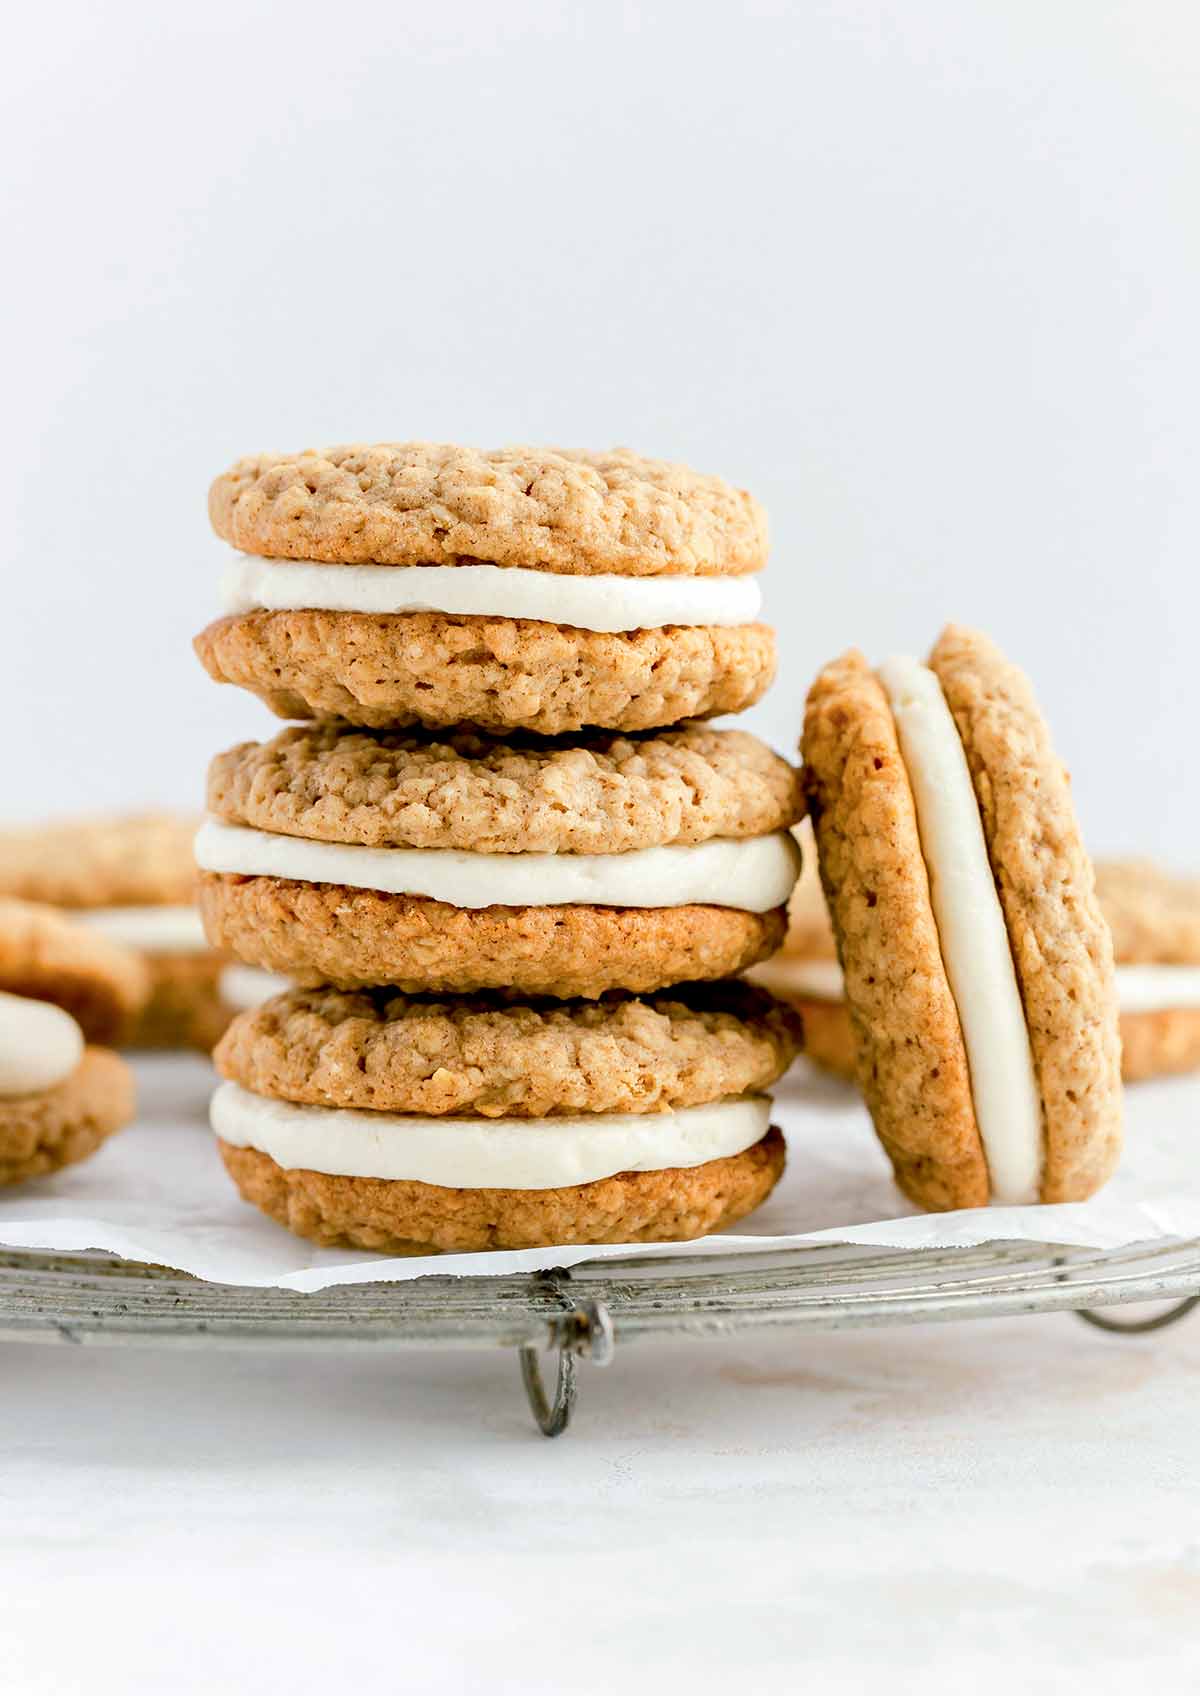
912, 1064
123, 860
1154, 915
1061, 946
601, 795
400, 1217
387, 670
432, 503
56, 1127
46, 957
320, 933
400, 1054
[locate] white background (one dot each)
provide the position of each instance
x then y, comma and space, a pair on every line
922, 276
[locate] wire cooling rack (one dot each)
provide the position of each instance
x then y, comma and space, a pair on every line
591, 1310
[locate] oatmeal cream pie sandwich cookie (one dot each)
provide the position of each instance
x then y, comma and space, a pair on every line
454, 863
525, 588
1154, 916
60, 987
978, 966
409, 1124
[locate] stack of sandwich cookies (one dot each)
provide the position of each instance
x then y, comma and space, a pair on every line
131, 879
494, 800
978, 967
61, 989
525, 589
459, 863
1154, 916
408, 1124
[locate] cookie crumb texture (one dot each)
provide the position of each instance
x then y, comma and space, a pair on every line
57, 1127
320, 933
603, 794
912, 1064
392, 670
395, 1053
1061, 946
399, 1217
432, 503
1158, 1045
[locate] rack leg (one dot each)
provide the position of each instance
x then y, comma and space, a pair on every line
1137, 1327
588, 1330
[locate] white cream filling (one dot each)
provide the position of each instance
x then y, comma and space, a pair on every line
605, 602
972, 931
151, 930
40, 1045
250, 986
1158, 989
486, 1154
818, 980
753, 875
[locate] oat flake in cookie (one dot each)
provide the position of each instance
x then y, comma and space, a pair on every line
415, 1125
526, 588
978, 967
455, 863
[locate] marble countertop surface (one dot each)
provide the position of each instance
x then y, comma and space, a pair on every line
863, 1511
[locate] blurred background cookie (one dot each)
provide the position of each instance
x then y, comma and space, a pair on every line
60, 1097
131, 879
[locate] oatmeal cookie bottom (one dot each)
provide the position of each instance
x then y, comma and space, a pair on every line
401, 1217
383, 670
318, 933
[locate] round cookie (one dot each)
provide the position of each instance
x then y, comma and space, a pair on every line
337, 856
59, 1099
131, 879
912, 1053
1154, 916
332, 1099
499, 673
433, 503
45, 1130
396, 1053
436, 585
44, 956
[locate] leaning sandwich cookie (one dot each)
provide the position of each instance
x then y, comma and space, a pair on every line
458, 862
978, 967
60, 1097
409, 1124
130, 878
1154, 917
525, 588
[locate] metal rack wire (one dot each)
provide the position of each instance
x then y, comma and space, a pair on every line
593, 1310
